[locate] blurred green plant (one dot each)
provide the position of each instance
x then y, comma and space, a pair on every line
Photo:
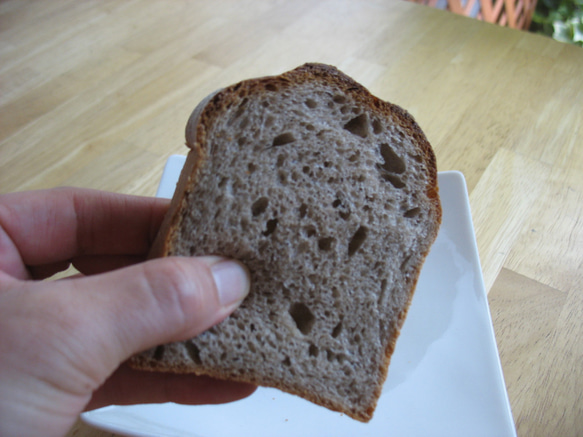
560, 19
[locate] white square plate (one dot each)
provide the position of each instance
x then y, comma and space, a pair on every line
445, 377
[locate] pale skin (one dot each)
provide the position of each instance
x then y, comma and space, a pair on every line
64, 343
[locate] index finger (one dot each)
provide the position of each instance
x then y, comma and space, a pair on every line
50, 226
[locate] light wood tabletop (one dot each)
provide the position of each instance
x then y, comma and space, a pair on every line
97, 94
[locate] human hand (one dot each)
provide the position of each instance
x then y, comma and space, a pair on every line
62, 341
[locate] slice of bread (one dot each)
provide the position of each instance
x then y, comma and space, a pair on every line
329, 196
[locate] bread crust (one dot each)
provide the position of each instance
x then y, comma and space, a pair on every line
196, 138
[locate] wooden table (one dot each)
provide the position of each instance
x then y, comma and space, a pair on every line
97, 94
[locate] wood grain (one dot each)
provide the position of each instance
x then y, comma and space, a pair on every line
97, 93
535, 351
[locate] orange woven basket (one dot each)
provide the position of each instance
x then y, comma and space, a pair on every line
512, 13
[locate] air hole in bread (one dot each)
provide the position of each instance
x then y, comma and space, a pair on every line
393, 163
413, 212
251, 168
285, 291
403, 265
383, 291
282, 177
377, 127
310, 127
303, 317
354, 157
270, 227
393, 179
313, 350
303, 210
286, 362
357, 240
325, 244
193, 352
310, 231
337, 329
330, 356
345, 109
311, 103
358, 126
159, 353
338, 98
283, 139
271, 87
306, 169
269, 120
259, 206
336, 203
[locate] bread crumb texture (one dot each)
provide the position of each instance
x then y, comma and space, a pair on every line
329, 196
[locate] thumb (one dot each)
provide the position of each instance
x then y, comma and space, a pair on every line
159, 301
60, 340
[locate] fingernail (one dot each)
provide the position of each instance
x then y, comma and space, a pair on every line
232, 281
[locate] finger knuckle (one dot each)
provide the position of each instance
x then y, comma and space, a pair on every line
179, 289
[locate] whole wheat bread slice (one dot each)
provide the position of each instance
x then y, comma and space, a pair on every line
329, 195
